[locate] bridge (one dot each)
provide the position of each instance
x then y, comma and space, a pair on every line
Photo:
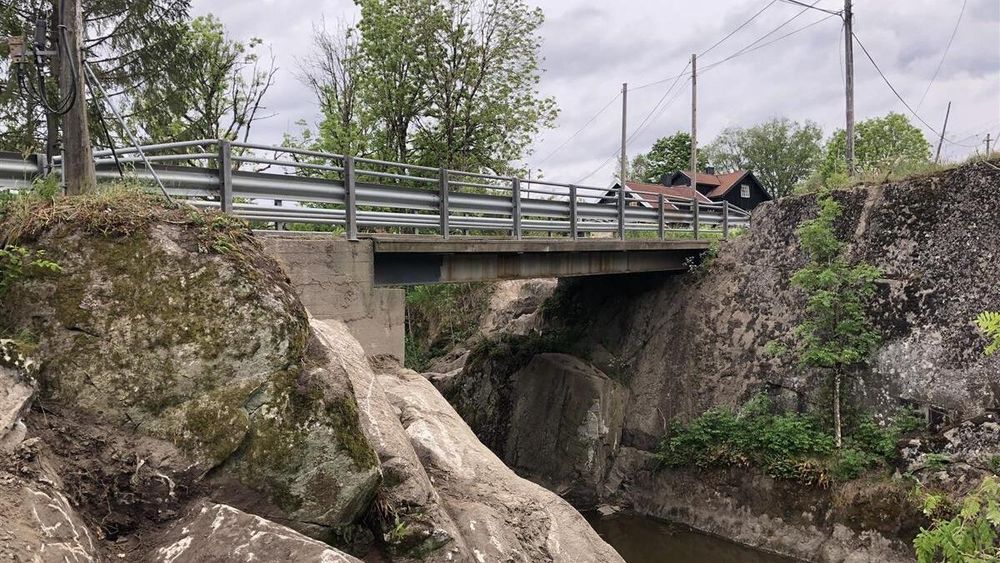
351, 230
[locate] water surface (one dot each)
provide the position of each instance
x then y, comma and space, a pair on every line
643, 540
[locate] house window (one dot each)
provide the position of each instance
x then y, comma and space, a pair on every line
745, 191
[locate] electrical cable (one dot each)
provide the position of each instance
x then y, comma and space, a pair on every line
111, 142
947, 48
813, 6
578, 131
733, 32
38, 93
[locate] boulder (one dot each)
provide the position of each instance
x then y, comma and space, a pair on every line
416, 524
174, 323
515, 306
16, 392
504, 517
223, 534
569, 420
40, 525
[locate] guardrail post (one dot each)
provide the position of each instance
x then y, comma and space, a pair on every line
694, 208
225, 176
572, 212
621, 210
350, 199
41, 161
443, 203
516, 213
725, 219
660, 228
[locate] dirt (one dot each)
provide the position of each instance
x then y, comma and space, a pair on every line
124, 487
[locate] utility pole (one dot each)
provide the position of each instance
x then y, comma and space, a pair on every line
694, 122
987, 145
937, 155
623, 165
849, 84
78, 156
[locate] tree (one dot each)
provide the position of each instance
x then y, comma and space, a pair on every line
218, 94
482, 77
667, 155
780, 152
333, 72
969, 535
129, 43
438, 82
883, 144
834, 335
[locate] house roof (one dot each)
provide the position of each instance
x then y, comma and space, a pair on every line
721, 184
646, 193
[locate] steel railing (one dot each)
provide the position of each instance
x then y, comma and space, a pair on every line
282, 186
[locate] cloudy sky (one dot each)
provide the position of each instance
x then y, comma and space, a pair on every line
591, 47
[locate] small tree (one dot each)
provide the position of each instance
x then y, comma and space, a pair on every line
667, 155
835, 335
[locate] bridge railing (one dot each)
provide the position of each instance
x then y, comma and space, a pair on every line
283, 187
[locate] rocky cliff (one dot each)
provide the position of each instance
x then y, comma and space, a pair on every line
682, 344
165, 397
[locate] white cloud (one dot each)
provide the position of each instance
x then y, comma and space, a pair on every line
591, 47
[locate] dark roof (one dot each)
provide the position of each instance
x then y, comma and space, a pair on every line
646, 192
721, 184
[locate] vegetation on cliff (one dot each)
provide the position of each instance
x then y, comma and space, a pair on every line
783, 445
834, 335
989, 323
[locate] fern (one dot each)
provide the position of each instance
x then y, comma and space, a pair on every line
989, 323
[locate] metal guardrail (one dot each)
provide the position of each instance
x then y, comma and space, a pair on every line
281, 186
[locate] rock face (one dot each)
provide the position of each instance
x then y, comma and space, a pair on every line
515, 306
450, 498
174, 324
569, 418
504, 517
216, 532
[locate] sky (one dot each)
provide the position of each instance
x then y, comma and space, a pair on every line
590, 48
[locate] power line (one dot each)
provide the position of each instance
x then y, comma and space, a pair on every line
747, 50
578, 131
891, 87
954, 31
812, 6
742, 25
656, 106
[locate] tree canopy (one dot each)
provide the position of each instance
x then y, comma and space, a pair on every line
780, 152
217, 94
882, 144
667, 155
438, 82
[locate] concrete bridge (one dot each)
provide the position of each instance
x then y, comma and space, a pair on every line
525, 228
357, 282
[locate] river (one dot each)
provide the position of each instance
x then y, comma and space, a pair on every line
644, 540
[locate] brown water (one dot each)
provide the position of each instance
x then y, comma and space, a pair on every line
644, 540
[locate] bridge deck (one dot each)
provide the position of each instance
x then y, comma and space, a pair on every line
411, 260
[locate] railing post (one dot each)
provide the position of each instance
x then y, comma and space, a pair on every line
621, 210
694, 208
661, 230
516, 213
572, 212
350, 199
225, 176
42, 162
725, 219
443, 202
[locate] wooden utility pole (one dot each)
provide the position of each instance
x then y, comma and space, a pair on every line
849, 84
987, 145
623, 165
937, 155
694, 122
78, 156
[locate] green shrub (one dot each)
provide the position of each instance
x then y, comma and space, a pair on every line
783, 445
18, 262
989, 323
966, 537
